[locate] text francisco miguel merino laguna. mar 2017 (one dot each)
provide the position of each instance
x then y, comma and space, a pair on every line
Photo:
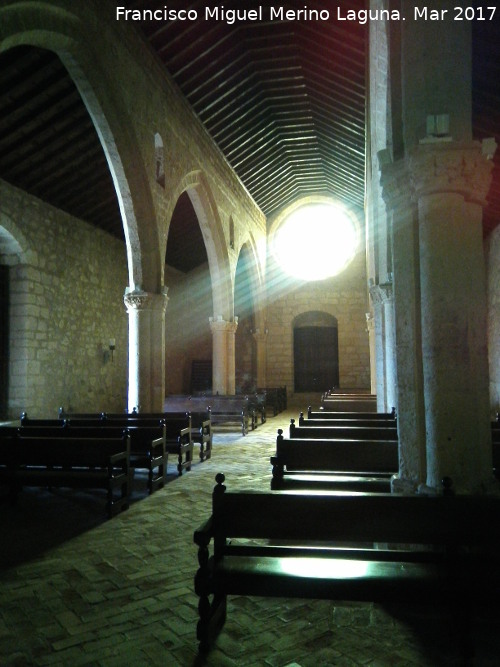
279, 13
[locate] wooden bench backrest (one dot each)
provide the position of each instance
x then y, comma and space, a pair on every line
344, 432
27, 421
227, 403
186, 404
138, 434
378, 456
171, 425
327, 414
69, 451
363, 517
365, 423
80, 415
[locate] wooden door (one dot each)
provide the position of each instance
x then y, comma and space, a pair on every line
316, 358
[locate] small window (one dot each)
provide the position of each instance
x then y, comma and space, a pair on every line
231, 233
159, 160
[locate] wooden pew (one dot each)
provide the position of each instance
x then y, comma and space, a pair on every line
336, 423
176, 431
177, 434
28, 421
201, 419
225, 410
349, 402
344, 432
148, 449
327, 414
276, 398
231, 409
358, 457
67, 461
444, 550
257, 403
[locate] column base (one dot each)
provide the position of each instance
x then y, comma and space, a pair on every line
400, 485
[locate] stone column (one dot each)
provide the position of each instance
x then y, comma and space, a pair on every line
370, 328
450, 183
146, 386
383, 306
260, 338
403, 224
223, 358
231, 356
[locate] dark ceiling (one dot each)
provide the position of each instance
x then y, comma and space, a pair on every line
285, 102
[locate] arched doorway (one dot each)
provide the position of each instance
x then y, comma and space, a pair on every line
315, 352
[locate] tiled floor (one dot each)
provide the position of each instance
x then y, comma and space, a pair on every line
80, 590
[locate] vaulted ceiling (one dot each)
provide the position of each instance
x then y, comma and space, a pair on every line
285, 102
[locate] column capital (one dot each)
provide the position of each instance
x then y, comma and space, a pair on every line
395, 183
260, 335
138, 299
218, 324
381, 293
453, 167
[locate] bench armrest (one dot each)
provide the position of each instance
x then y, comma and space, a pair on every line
204, 533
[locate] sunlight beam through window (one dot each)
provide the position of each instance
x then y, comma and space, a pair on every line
316, 242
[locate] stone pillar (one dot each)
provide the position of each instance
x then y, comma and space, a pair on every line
383, 306
146, 386
260, 338
450, 183
231, 356
223, 358
403, 224
370, 328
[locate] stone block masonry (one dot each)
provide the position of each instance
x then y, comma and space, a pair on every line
66, 303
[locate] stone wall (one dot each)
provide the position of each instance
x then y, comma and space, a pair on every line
344, 297
66, 303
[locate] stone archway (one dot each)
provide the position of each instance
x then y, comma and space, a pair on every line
221, 321
250, 337
69, 34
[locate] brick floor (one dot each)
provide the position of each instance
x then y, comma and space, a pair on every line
80, 590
